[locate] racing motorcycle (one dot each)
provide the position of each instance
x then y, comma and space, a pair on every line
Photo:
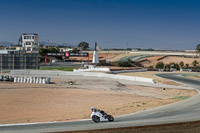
99, 115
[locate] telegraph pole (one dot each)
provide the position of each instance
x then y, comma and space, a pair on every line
1, 64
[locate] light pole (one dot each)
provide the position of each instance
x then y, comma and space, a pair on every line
1, 64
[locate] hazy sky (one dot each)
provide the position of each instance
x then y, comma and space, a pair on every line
159, 24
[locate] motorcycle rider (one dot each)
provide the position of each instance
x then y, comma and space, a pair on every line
94, 109
101, 111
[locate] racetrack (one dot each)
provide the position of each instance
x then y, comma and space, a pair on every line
187, 110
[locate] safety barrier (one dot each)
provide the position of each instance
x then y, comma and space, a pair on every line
92, 69
36, 80
128, 71
91, 74
6, 78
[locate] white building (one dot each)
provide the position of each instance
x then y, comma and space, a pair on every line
30, 42
65, 49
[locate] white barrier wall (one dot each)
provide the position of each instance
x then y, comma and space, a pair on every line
91, 74
92, 69
126, 71
163, 53
36, 80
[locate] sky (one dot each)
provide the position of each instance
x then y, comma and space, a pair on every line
158, 24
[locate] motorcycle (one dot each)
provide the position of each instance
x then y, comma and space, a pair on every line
99, 116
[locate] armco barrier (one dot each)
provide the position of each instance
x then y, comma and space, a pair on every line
91, 74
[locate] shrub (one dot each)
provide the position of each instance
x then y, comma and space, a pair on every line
160, 65
174, 65
124, 64
150, 67
187, 66
195, 63
181, 64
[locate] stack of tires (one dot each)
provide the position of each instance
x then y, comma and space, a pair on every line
35, 80
6, 78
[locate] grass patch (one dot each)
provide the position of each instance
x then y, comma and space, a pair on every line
180, 98
191, 76
197, 76
185, 75
59, 68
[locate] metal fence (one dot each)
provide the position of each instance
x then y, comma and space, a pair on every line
19, 61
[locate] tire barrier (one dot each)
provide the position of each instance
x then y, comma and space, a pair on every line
6, 78
36, 80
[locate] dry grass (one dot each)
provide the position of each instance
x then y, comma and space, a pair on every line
152, 61
102, 56
119, 56
151, 74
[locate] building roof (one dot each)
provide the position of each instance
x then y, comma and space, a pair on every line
29, 34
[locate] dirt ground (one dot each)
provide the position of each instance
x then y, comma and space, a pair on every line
152, 61
109, 56
151, 74
60, 101
119, 56
148, 61
102, 56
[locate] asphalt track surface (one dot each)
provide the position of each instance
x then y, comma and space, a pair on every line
187, 110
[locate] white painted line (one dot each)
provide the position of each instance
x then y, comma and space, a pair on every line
35, 123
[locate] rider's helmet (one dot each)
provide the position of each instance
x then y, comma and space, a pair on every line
94, 109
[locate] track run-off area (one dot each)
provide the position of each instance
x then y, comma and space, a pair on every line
183, 111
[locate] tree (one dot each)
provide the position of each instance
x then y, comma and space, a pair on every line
53, 50
194, 63
75, 50
83, 45
160, 65
124, 64
174, 65
181, 64
187, 66
150, 67
198, 49
44, 51
167, 67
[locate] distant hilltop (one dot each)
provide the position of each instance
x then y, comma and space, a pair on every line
6, 43
57, 44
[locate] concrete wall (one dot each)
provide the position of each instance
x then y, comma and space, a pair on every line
119, 52
92, 69
91, 74
127, 71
